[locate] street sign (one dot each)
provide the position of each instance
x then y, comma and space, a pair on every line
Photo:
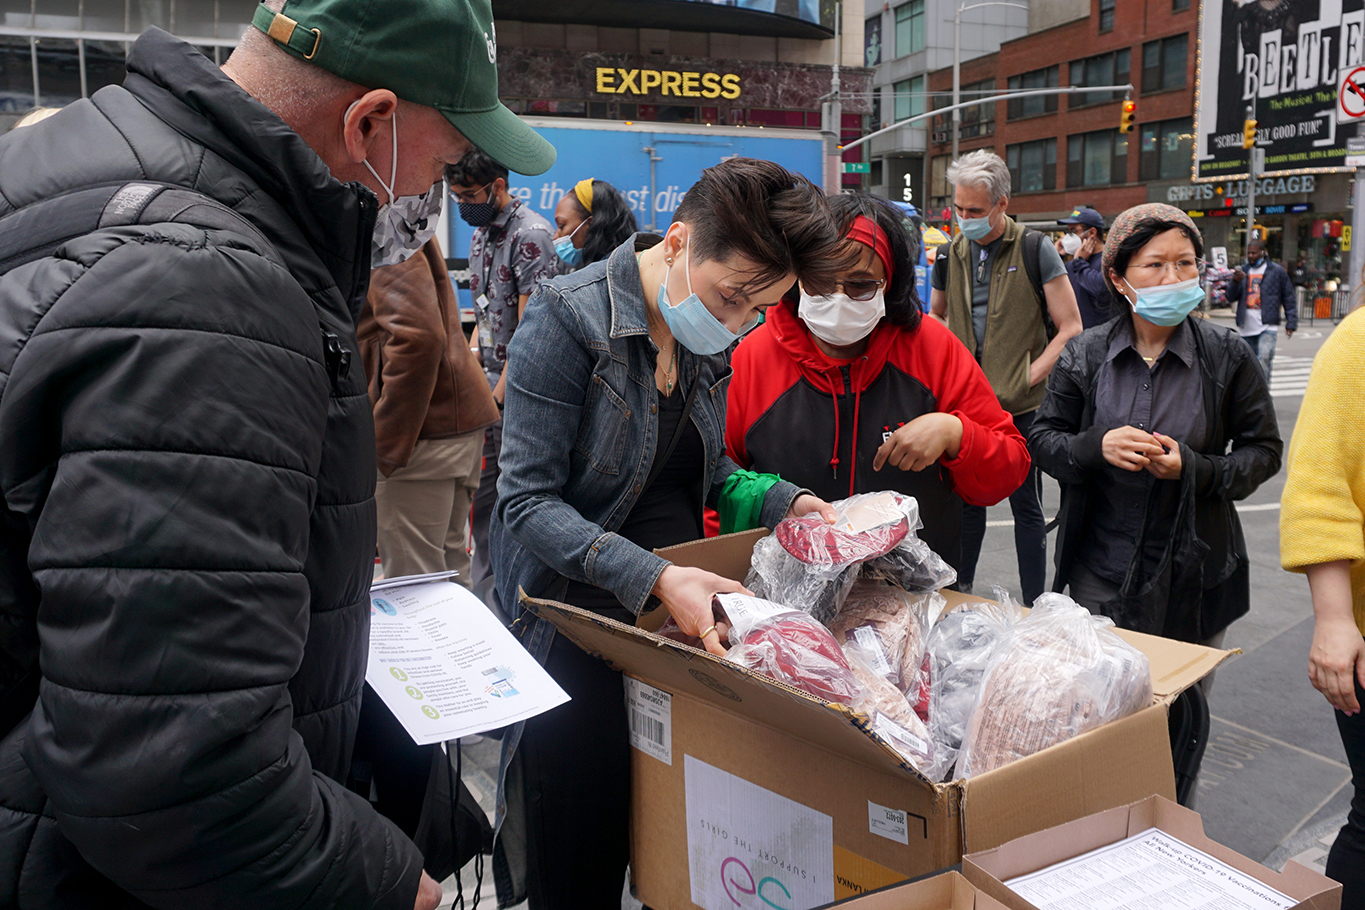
1355, 143
1345, 238
857, 167
1351, 94
1357, 160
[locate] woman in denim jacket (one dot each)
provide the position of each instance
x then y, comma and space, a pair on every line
605, 459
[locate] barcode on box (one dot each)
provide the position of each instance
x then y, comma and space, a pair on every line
651, 720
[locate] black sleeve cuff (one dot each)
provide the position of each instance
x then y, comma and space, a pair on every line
1087, 448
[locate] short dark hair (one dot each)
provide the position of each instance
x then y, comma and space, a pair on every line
474, 169
903, 306
612, 221
776, 219
1140, 237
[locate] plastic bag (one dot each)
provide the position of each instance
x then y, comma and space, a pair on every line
778, 576
1055, 674
810, 565
913, 565
891, 716
865, 526
890, 624
793, 648
959, 650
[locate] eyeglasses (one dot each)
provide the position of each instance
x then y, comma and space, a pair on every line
861, 288
1185, 269
467, 197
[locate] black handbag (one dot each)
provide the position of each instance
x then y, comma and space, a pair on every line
451, 832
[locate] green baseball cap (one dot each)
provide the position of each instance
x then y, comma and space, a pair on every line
438, 53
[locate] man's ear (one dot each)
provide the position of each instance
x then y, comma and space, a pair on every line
675, 239
361, 123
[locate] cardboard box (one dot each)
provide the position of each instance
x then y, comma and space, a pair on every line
775, 774
987, 870
949, 891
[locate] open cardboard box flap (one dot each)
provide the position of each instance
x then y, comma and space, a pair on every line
679, 669
949, 891
987, 870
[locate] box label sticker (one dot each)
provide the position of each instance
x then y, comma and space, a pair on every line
651, 720
751, 848
887, 822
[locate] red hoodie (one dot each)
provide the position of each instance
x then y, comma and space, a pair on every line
792, 411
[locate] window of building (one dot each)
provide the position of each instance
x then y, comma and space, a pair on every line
1033, 165
1103, 69
1034, 104
1179, 6
1166, 150
940, 193
1106, 15
1163, 64
909, 27
977, 120
1096, 159
16, 74
909, 98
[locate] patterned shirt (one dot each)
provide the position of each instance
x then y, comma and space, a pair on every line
508, 257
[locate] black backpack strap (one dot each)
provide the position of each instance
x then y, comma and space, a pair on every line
1032, 240
36, 230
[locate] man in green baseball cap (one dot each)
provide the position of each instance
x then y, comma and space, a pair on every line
440, 54
183, 258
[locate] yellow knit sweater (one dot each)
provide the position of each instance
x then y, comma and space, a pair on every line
1322, 513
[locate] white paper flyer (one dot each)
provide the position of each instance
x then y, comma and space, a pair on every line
446, 667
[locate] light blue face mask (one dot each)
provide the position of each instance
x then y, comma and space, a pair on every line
692, 324
1167, 304
974, 228
565, 249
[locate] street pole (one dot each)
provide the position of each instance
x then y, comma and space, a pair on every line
957, 61
1251, 183
832, 112
1357, 256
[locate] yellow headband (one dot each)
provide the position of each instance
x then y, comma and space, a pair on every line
583, 190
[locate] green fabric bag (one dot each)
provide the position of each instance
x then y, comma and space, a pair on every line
741, 500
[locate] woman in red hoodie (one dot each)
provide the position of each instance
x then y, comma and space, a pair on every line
856, 393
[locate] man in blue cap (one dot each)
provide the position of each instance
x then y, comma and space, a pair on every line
187, 453
1084, 243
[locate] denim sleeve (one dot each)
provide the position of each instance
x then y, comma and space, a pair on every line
549, 368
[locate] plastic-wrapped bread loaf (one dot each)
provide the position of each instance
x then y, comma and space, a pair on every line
1053, 675
892, 717
891, 624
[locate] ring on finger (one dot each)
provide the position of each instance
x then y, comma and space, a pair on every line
708, 631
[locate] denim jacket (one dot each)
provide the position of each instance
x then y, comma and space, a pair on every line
580, 432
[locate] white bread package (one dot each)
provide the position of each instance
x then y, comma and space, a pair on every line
1054, 675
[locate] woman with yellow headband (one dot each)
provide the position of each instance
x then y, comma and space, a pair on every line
590, 222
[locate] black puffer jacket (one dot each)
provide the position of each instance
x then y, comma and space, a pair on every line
1208, 585
188, 527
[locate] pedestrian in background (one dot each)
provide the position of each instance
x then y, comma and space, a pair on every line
1261, 289
999, 290
858, 392
510, 254
1155, 423
431, 405
187, 454
590, 222
600, 469
1084, 243
1322, 534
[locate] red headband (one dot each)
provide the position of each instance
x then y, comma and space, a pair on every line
866, 232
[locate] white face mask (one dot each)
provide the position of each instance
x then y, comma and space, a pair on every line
405, 223
1071, 243
840, 320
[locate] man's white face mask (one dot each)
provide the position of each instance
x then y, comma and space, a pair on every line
405, 223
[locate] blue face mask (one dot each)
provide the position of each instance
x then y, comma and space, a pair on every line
565, 249
692, 324
1167, 304
974, 228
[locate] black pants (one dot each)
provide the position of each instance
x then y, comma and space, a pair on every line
1346, 862
1030, 534
575, 764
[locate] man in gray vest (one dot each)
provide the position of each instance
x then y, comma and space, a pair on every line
997, 290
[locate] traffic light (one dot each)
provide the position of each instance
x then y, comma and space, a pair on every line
1128, 116
1249, 134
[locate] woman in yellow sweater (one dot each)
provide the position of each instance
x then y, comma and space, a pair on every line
1322, 533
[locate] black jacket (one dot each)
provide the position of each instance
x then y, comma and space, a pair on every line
1208, 556
188, 529
1277, 293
